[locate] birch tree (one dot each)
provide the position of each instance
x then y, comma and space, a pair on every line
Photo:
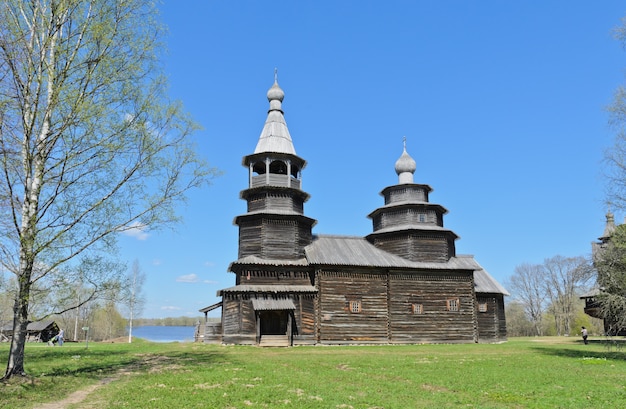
133, 298
90, 145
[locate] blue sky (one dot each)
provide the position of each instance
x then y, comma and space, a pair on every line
502, 104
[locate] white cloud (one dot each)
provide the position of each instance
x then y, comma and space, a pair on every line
157, 262
170, 308
209, 264
136, 230
210, 282
188, 278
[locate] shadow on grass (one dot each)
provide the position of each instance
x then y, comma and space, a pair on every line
600, 349
105, 362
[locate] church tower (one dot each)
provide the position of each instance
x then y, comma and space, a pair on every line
408, 225
274, 226
401, 284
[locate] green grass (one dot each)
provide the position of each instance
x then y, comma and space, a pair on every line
522, 373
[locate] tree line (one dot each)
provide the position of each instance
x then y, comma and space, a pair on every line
74, 306
546, 297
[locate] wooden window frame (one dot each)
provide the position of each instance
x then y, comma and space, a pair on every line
482, 307
355, 306
417, 309
453, 305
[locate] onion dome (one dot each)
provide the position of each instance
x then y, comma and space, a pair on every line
275, 135
275, 93
405, 167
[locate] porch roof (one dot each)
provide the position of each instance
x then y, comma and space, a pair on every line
268, 288
272, 305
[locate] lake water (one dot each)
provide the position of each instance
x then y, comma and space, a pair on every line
162, 333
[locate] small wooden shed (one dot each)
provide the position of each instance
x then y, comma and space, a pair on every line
37, 331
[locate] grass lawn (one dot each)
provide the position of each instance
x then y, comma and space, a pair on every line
522, 373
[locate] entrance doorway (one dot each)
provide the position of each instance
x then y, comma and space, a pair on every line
274, 322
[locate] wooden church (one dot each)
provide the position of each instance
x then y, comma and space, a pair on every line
401, 284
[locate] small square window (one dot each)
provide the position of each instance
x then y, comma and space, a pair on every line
355, 306
482, 307
417, 308
452, 304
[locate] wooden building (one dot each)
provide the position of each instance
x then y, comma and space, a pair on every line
403, 283
592, 305
37, 331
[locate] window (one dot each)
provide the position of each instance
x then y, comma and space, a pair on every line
452, 304
355, 306
417, 308
482, 307
422, 217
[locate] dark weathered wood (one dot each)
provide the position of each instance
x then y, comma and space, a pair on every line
435, 324
492, 322
274, 237
337, 321
427, 246
275, 201
403, 283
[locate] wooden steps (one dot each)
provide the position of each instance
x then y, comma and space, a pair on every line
274, 341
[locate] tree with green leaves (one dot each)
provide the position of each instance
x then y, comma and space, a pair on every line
90, 145
610, 263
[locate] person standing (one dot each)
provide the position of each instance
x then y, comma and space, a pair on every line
60, 337
584, 334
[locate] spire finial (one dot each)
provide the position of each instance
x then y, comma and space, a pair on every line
404, 142
275, 74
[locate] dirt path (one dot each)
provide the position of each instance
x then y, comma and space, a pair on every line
155, 363
78, 396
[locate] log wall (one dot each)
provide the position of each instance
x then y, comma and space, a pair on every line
406, 193
415, 215
394, 307
418, 247
249, 233
387, 313
273, 238
433, 323
337, 323
304, 317
274, 201
492, 322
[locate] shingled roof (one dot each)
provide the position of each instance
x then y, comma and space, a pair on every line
275, 135
357, 251
485, 283
352, 251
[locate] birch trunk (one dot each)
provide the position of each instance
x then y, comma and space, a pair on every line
91, 146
